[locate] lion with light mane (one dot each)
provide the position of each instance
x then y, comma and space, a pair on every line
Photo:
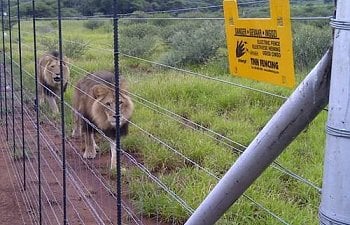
49, 75
94, 100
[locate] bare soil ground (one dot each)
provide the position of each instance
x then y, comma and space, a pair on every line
12, 207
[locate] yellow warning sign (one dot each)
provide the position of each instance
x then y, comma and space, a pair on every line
261, 48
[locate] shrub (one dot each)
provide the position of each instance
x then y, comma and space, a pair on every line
93, 24
75, 47
184, 26
72, 47
138, 30
195, 46
310, 43
49, 44
136, 46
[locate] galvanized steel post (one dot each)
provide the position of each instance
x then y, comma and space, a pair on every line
335, 203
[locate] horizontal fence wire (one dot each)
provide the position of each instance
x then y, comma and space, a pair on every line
167, 189
217, 136
196, 74
53, 152
71, 18
148, 104
154, 178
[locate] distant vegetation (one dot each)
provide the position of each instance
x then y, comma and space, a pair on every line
48, 8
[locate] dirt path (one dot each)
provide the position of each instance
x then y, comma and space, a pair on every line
12, 210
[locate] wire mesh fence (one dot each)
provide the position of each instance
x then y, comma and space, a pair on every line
190, 122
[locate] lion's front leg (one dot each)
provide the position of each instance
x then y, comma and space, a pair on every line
76, 125
113, 155
41, 94
90, 151
52, 104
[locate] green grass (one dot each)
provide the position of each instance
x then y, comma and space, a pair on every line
237, 113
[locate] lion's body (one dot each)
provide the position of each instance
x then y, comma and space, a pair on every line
94, 99
50, 80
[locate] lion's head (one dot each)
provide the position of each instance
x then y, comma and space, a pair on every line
52, 69
103, 108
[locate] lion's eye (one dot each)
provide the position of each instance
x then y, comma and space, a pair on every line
52, 66
120, 102
108, 104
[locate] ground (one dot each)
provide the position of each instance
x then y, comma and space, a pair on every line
12, 210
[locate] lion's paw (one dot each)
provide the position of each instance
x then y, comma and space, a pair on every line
89, 155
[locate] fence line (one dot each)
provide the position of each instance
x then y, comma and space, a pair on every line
44, 137
154, 178
276, 165
133, 161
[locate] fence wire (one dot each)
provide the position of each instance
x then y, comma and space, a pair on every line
32, 197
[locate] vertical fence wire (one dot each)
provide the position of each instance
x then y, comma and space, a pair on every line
21, 92
4, 67
11, 74
37, 111
117, 109
63, 135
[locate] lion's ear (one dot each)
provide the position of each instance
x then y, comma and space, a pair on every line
99, 91
46, 59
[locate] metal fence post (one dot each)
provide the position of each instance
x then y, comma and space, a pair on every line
335, 201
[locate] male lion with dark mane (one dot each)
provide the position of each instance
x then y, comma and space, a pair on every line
94, 99
50, 78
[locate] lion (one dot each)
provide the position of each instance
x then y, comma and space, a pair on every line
50, 79
94, 100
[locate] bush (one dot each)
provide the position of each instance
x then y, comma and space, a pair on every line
136, 46
169, 31
49, 44
196, 45
310, 43
93, 24
72, 47
138, 30
75, 47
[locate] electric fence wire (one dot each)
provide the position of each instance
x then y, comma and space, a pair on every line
217, 136
141, 15
50, 145
53, 152
196, 74
276, 164
133, 216
24, 156
155, 179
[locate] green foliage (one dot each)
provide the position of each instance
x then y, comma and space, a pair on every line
195, 45
75, 47
93, 24
138, 30
49, 44
310, 43
136, 46
72, 47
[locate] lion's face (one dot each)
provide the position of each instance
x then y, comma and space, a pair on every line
103, 108
52, 71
